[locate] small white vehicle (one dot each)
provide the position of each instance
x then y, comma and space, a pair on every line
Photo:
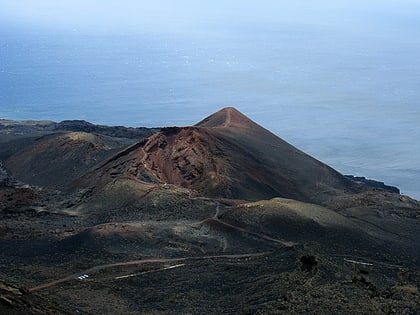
82, 277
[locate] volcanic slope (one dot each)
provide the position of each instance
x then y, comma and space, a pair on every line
225, 155
184, 222
55, 159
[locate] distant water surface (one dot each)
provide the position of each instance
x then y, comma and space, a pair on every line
340, 83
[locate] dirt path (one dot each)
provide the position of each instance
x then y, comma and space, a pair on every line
228, 118
260, 235
216, 218
92, 270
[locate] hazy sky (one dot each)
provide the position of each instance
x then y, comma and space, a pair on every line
180, 15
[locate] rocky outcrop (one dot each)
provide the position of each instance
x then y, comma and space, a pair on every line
15, 300
372, 183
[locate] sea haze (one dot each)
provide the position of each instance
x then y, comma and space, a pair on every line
338, 80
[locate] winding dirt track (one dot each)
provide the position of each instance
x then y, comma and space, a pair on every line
140, 262
215, 218
243, 230
263, 236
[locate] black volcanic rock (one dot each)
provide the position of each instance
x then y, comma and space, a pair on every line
372, 183
3, 175
17, 301
174, 223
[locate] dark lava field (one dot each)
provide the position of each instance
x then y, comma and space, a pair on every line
222, 217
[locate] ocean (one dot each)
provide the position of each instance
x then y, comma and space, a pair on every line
342, 85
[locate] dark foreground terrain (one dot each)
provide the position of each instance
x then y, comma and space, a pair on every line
218, 218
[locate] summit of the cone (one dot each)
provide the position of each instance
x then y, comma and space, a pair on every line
227, 117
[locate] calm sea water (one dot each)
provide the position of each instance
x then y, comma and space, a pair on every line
345, 89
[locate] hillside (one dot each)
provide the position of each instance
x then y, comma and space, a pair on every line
226, 156
220, 217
